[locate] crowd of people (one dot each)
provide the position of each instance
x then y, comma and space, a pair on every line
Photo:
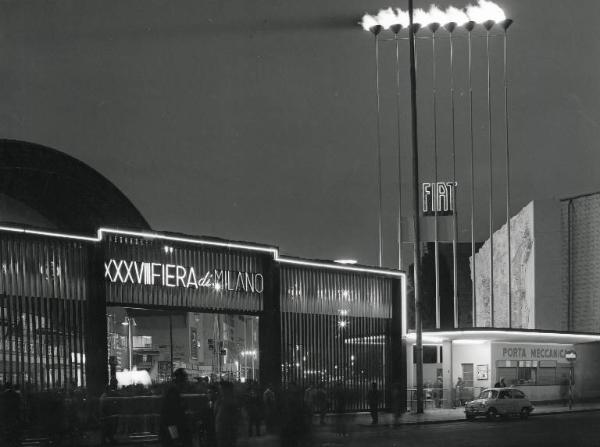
233, 408
190, 413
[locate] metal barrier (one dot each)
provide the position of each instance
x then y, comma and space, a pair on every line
441, 397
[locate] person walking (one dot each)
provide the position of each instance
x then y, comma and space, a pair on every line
269, 405
373, 400
396, 402
295, 424
253, 406
500, 384
438, 392
173, 426
321, 403
458, 392
10, 417
226, 417
339, 398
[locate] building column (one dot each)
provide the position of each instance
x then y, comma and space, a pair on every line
96, 349
447, 378
269, 327
398, 349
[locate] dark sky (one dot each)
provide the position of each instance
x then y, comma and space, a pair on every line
255, 120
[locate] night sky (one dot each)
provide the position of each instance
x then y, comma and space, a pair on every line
255, 120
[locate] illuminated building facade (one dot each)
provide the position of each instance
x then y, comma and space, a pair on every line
84, 303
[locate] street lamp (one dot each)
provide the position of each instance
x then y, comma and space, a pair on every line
129, 322
454, 17
370, 23
401, 21
504, 25
436, 16
487, 14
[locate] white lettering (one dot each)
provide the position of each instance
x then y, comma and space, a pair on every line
139, 269
219, 280
169, 276
249, 282
426, 197
180, 276
192, 282
259, 280
228, 273
240, 283
173, 275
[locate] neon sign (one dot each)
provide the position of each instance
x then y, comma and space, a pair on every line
174, 275
438, 198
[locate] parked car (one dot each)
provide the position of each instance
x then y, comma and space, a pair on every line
494, 403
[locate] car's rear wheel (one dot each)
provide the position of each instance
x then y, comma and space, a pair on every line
470, 417
524, 413
492, 414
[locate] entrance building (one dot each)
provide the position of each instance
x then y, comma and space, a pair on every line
121, 306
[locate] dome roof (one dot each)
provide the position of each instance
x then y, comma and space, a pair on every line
40, 186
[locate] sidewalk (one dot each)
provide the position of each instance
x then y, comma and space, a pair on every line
441, 415
361, 423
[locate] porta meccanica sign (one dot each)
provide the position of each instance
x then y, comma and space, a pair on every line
531, 351
175, 275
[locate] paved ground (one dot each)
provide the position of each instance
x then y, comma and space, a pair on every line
549, 430
549, 426
435, 415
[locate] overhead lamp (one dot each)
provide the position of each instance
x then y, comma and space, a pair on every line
420, 19
436, 18
369, 23
402, 21
346, 261
504, 24
486, 13
455, 17
468, 342
128, 320
386, 18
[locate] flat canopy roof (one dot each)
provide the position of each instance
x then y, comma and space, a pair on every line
214, 242
504, 335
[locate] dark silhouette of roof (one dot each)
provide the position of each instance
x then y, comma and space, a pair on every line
64, 190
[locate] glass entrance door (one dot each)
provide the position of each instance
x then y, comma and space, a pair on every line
146, 345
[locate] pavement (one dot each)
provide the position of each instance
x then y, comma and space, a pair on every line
360, 423
442, 415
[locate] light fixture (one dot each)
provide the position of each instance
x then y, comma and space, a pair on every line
369, 23
127, 320
485, 13
454, 17
468, 342
504, 25
346, 261
426, 338
375, 25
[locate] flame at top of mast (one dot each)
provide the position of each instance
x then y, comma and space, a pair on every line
484, 12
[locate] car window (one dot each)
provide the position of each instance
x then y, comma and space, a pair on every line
488, 394
504, 394
516, 394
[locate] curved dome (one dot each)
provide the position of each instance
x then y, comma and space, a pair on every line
40, 186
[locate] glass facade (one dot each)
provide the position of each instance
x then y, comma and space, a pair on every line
43, 289
335, 330
153, 343
149, 305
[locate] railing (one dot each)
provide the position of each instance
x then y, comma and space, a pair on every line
441, 397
